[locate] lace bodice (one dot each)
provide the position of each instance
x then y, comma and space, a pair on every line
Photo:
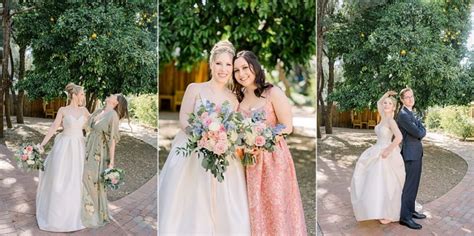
73, 125
384, 134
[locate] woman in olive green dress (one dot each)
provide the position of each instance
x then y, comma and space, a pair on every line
103, 127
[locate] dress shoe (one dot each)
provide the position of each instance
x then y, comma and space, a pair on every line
417, 215
410, 224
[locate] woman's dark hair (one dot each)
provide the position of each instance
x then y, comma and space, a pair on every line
122, 107
256, 68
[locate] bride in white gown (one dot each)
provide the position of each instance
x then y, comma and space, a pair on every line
191, 200
379, 175
58, 198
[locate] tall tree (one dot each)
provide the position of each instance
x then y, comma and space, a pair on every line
403, 44
100, 46
321, 12
4, 83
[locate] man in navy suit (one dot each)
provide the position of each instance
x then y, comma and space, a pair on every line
412, 151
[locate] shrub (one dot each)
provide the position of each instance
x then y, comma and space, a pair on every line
455, 120
433, 118
144, 108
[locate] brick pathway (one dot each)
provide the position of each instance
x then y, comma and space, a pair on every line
451, 214
135, 214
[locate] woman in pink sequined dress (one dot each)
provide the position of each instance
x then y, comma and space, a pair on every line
272, 188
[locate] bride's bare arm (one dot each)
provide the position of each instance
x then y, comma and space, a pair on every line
380, 101
52, 129
396, 141
85, 112
187, 105
282, 109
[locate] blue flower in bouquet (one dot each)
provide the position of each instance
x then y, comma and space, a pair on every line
278, 129
258, 116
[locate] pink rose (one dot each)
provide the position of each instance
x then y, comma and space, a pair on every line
222, 136
204, 115
220, 148
259, 141
24, 157
202, 143
207, 121
210, 144
114, 181
260, 127
29, 148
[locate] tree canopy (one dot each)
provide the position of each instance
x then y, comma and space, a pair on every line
273, 30
419, 44
107, 48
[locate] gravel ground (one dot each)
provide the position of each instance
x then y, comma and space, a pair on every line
442, 169
135, 157
303, 150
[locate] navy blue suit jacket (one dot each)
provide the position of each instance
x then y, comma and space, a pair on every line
413, 131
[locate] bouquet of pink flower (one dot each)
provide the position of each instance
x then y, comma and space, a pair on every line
257, 136
29, 157
112, 178
212, 134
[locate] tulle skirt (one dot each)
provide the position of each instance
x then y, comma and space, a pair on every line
58, 198
193, 202
377, 184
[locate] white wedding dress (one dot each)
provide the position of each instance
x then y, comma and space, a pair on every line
377, 183
58, 198
193, 202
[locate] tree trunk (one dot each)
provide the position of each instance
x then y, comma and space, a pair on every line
21, 92
9, 84
8, 118
6, 53
328, 124
321, 9
282, 77
91, 102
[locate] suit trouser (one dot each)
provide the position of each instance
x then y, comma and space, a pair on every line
410, 189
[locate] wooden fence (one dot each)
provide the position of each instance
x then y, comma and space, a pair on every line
352, 119
35, 108
173, 83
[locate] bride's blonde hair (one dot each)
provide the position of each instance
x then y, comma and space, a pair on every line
72, 89
223, 46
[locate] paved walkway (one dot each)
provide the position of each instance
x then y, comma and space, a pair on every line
451, 214
134, 214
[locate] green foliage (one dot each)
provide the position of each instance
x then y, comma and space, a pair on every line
433, 118
102, 47
144, 108
271, 29
399, 44
454, 120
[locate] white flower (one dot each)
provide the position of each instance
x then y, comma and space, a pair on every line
247, 122
214, 126
267, 133
115, 175
250, 139
213, 116
31, 157
30, 162
234, 136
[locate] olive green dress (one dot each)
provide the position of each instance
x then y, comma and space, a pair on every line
102, 132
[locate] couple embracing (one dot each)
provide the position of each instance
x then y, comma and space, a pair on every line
261, 199
386, 178
70, 194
